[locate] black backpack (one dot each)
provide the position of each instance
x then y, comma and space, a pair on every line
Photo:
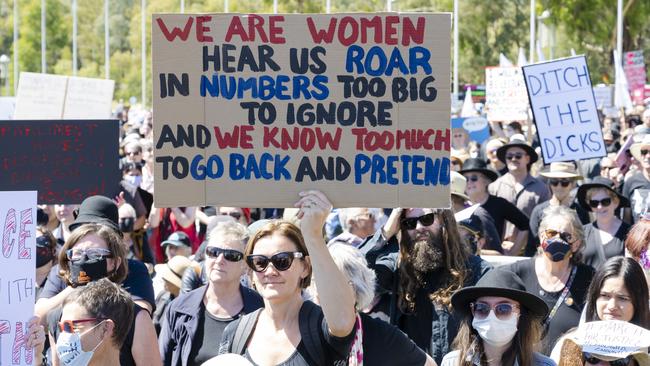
236, 336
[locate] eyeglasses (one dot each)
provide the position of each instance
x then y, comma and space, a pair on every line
503, 311
564, 182
563, 235
515, 156
70, 326
644, 152
90, 253
411, 223
230, 255
590, 358
473, 178
605, 202
281, 261
234, 214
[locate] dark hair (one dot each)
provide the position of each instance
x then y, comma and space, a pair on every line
105, 299
113, 241
289, 231
635, 283
456, 253
529, 330
128, 166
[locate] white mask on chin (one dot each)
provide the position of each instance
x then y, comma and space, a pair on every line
494, 331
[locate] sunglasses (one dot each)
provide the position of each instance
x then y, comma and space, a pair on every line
504, 311
590, 358
605, 202
564, 182
234, 215
550, 233
230, 255
70, 326
90, 254
411, 223
644, 152
281, 261
473, 178
516, 156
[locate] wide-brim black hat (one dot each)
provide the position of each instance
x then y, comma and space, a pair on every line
97, 210
599, 182
479, 166
502, 283
501, 152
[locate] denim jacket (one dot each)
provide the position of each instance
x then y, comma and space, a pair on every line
182, 321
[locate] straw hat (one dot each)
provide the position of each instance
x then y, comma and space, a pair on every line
635, 149
173, 270
562, 170
458, 184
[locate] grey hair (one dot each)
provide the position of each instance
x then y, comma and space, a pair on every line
354, 266
570, 216
229, 230
345, 214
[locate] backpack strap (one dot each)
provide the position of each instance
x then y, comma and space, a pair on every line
310, 323
243, 331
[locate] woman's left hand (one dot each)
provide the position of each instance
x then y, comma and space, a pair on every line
314, 208
36, 337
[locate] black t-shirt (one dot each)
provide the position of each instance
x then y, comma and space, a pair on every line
637, 190
384, 344
493, 241
206, 340
501, 211
613, 248
137, 283
568, 313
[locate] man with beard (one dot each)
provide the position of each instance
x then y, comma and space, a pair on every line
418, 273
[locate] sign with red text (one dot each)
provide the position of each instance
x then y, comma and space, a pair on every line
634, 67
17, 272
505, 96
252, 109
65, 161
564, 107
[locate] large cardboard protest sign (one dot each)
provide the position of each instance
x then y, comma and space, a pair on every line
46, 96
604, 95
563, 104
251, 109
505, 96
65, 161
17, 272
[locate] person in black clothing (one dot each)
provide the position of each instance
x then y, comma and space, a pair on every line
561, 177
637, 188
205, 312
557, 274
605, 237
501, 210
417, 275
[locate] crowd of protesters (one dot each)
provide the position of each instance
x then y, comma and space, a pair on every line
526, 255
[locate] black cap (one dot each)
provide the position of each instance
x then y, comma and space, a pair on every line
97, 210
177, 239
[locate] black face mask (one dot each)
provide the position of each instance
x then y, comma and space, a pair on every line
557, 248
126, 224
85, 270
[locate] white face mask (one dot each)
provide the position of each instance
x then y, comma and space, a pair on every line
495, 331
68, 347
134, 179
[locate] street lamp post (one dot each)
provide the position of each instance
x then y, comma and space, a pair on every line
4, 72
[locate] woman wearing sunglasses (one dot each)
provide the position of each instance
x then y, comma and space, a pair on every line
91, 253
605, 236
501, 323
288, 330
557, 274
205, 312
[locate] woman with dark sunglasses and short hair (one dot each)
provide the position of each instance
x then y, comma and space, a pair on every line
289, 330
605, 237
556, 274
501, 323
205, 312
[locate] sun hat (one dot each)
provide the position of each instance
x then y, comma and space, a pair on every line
97, 210
479, 166
562, 170
173, 270
517, 140
636, 147
599, 182
503, 283
458, 184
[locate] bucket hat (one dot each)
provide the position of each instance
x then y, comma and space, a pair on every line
599, 182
